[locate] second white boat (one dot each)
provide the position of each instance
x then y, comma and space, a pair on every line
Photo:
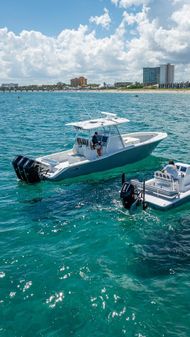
163, 191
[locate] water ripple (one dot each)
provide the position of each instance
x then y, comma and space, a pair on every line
73, 262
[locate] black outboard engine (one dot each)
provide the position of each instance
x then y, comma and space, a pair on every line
27, 169
131, 195
128, 195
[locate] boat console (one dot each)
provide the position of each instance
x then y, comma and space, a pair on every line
184, 176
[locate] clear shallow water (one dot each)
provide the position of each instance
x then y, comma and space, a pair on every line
73, 262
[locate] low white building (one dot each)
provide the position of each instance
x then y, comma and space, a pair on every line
9, 85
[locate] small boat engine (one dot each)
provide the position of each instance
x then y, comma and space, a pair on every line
128, 195
28, 170
131, 196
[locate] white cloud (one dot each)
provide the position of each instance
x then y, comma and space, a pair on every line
137, 18
181, 17
129, 3
32, 56
139, 41
103, 20
179, 2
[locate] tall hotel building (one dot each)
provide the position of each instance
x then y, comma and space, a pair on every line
167, 74
151, 76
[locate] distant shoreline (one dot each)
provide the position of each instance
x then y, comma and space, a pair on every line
117, 91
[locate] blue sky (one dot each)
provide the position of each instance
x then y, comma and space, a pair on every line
52, 16
46, 41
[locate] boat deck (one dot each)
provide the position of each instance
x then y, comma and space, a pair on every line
130, 140
76, 158
162, 203
61, 158
161, 198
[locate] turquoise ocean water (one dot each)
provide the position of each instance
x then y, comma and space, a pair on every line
73, 262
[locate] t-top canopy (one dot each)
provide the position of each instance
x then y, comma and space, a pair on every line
110, 120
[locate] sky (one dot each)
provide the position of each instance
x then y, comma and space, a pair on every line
48, 41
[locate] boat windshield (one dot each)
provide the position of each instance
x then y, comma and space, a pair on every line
102, 135
83, 134
113, 130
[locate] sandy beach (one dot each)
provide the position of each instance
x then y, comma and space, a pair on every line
141, 91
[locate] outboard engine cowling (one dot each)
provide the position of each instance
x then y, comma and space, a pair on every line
128, 195
17, 163
27, 169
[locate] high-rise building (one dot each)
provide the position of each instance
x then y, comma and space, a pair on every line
167, 74
79, 82
151, 75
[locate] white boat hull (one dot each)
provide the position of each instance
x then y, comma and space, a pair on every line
164, 204
164, 191
105, 150
127, 155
